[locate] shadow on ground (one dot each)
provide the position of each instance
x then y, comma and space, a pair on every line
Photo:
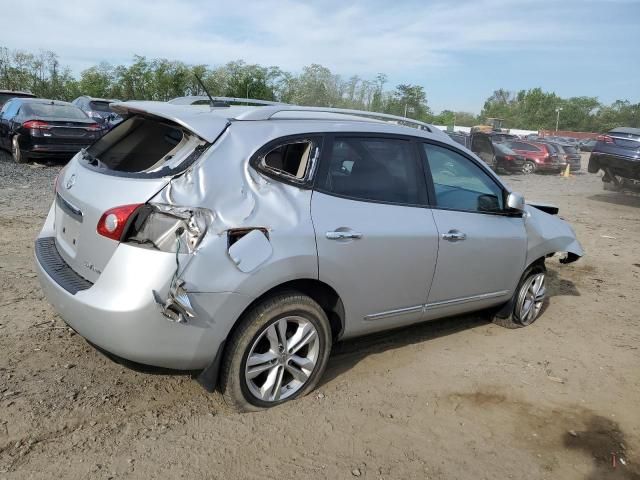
345, 355
627, 199
557, 286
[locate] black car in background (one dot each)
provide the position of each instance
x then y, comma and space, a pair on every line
40, 128
567, 153
99, 110
6, 95
587, 145
507, 159
617, 154
494, 153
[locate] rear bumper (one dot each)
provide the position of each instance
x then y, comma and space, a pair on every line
60, 150
622, 166
550, 167
118, 313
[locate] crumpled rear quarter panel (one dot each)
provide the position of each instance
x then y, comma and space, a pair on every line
240, 197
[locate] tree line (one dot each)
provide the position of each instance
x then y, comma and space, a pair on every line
161, 79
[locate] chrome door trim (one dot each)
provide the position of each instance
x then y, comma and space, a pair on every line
428, 306
473, 298
393, 313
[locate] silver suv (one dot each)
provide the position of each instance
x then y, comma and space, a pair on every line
245, 241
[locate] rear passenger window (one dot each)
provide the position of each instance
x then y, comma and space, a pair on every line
292, 159
524, 146
376, 169
460, 184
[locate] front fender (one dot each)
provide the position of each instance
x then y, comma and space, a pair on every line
549, 234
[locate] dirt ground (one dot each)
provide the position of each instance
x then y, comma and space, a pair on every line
453, 399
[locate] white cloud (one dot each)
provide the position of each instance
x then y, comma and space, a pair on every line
361, 37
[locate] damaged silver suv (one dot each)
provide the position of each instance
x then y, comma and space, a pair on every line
244, 241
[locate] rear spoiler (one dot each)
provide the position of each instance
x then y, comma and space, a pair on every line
198, 120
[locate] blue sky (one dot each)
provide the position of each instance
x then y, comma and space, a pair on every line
460, 51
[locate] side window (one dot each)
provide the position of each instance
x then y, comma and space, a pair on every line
4, 108
10, 109
460, 184
376, 169
292, 159
481, 145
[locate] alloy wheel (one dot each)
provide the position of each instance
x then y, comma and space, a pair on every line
282, 358
530, 299
528, 167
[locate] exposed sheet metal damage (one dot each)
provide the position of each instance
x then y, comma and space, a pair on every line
242, 202
548, 234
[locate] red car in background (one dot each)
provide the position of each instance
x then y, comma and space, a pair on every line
539, 157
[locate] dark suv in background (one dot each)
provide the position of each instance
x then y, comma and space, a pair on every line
6, 95
99, 110
617, 154
37, 128
538, 156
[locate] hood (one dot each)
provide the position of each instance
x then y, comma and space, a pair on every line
206, 123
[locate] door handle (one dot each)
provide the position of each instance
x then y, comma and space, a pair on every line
454, 236
337, 235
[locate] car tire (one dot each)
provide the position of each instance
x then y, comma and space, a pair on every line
17, 154
528, 300
529, 167
261, 369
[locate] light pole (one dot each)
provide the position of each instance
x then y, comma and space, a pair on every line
408, 109
558, 110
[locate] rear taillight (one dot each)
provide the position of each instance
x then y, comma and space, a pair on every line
604, 139
113, 222
93, 127
35, 125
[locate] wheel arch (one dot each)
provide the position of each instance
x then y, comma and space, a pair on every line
505, 310
322, 293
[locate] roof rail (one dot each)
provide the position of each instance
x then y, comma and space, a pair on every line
191, 99
268, 112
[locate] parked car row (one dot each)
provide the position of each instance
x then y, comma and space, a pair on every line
33, 128
510, 154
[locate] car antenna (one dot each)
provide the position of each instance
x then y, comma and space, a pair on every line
212, 102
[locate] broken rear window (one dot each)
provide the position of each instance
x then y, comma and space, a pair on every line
100, 106
145, 146
290, 160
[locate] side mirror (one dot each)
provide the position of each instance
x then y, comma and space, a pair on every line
515, 201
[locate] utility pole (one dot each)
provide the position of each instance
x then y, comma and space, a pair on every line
558, 110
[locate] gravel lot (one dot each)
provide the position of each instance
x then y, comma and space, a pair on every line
459, 398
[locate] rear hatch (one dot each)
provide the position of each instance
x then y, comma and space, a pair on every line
627, 141
128, 165
623, 142
59, 124
571, 155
